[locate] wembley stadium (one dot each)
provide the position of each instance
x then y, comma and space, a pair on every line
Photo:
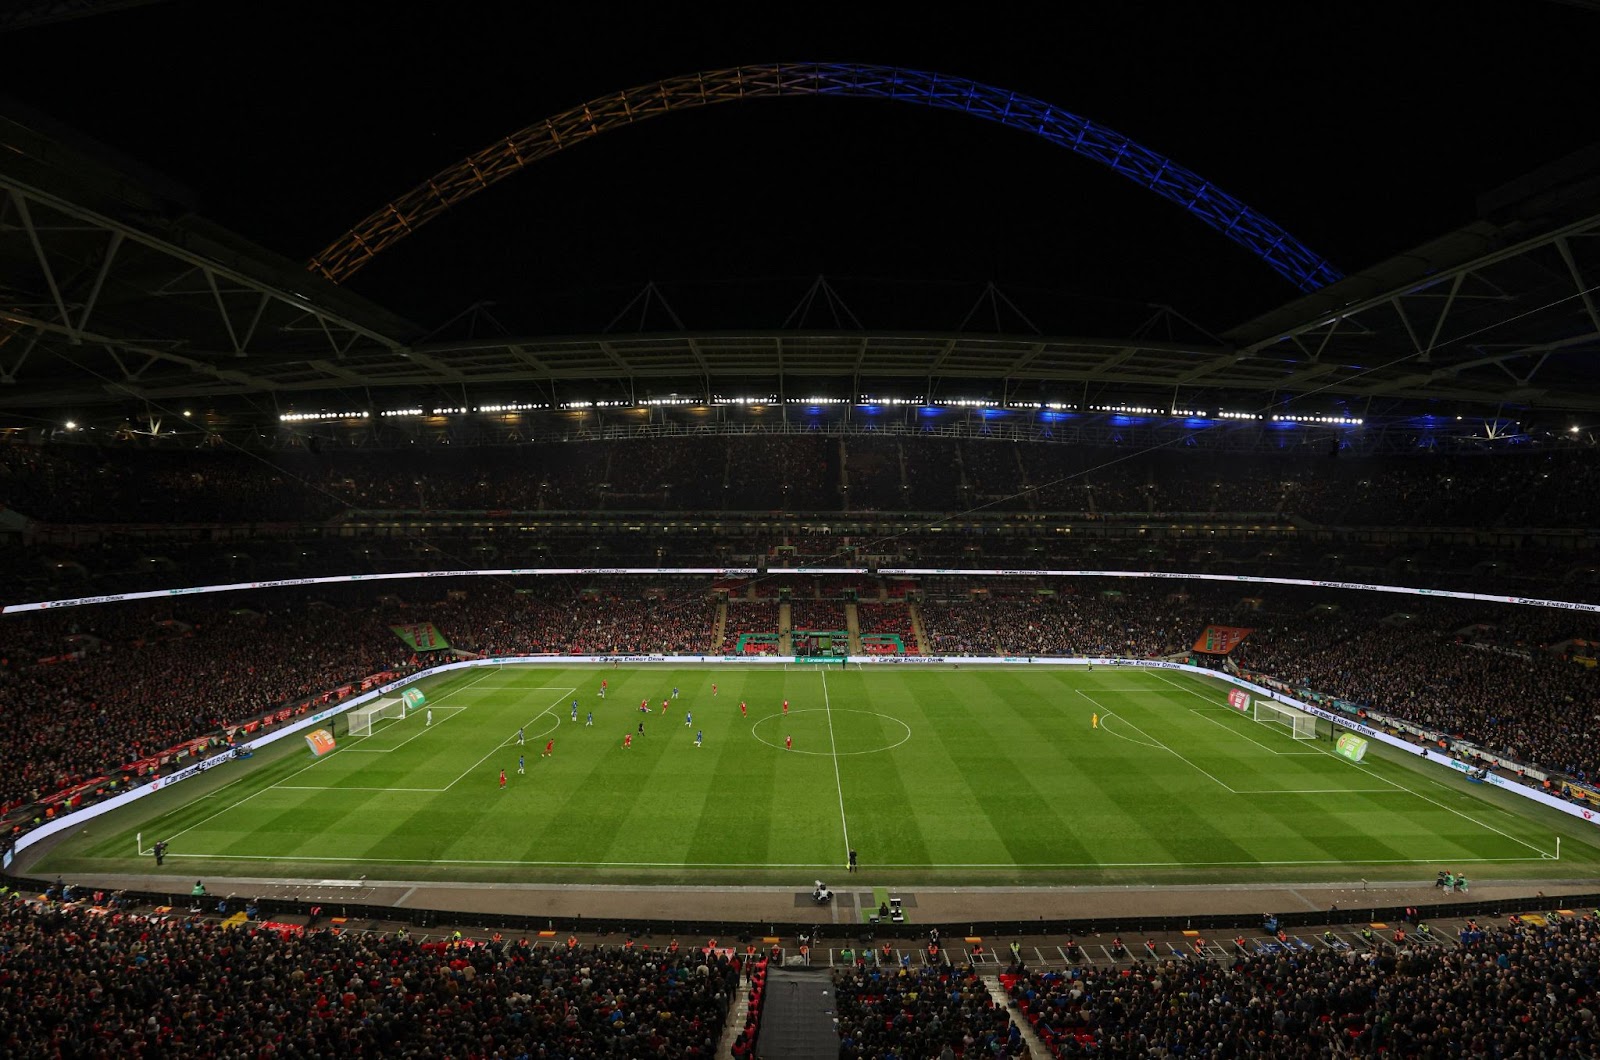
505, 556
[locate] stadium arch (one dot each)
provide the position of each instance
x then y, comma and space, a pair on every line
395, 220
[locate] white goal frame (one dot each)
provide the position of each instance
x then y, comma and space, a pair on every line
361, 718
1301, 726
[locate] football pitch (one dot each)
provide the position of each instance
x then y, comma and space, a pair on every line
934, 775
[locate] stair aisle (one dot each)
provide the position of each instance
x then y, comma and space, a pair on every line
1036, 1048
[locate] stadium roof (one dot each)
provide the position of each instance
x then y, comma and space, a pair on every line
116, 293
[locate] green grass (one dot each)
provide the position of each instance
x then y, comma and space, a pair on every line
936, 776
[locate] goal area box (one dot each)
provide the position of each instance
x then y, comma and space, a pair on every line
361, 719
1298, 723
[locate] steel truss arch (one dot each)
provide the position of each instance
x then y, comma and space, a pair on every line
385, 227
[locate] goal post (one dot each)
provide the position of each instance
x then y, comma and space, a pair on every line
1301, 726
361, 718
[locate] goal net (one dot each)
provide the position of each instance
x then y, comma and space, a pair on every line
361, 718
1301, 726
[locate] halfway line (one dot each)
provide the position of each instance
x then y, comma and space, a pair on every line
834, 750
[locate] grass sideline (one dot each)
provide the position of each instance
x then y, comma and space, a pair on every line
935, 776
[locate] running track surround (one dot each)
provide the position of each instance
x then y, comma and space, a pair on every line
392, 222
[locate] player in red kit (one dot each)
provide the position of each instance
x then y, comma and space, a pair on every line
786, 708
744, 711
502, 778
627, 739
549, 748
713, 688
664, 703
788, 743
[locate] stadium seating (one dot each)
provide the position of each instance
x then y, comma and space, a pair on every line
918, 1011
886, 624
75, 982
762, 472
1537, 998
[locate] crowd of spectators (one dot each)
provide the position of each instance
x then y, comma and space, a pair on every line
841, 587
932, 478
873, 471
1077, 620
1493, 683
90, 690
129, 683
750, 616
994, 475
793, 472
576, 615
82, 983
878, 620
822, 615
781, 473
657, 477
909, 1013
1516, 991
102, 981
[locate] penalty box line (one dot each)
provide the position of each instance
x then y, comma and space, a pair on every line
1199, 712
1412, 791
1158, 744
547, 710
1106, 713
565, 692
291, 776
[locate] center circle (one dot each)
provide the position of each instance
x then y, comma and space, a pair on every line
816, 739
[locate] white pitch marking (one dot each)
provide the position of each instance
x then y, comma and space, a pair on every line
338, 859
421, 729
547, 710
1159, 744
834, 748
1319, 791
838, 754
1386, 780
1200, 712
297, 772
348, 787
1108, 716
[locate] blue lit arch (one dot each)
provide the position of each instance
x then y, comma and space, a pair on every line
388, 225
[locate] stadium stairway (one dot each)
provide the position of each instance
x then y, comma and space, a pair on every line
997, 990
919, 630
852, 622
719, 628
735, 1022
785, 630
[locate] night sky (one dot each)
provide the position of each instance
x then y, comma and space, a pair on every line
1362, 128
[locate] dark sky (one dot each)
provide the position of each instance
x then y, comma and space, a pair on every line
1362, 128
